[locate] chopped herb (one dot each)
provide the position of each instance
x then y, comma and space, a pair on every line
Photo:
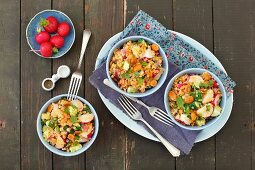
67, 110
78, 128
71, 131
77, 137
140, 80
75, 107
65, 127
73, 119
144, 63
180, 102
198, 95
187, 109
136, 73
51, 124
192, 106
188, 115
208, 108
125, 75
140, 40
57, 128
203, 85
75, 143
87, 109
210, 83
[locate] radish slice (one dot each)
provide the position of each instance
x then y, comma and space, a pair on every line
87, 129
208, 97
206, 110
216, 100
78, 104
86, 118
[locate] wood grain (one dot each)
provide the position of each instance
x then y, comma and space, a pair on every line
142, 153
10, 85
70, 59
104, 18
194, 18
234, 45
33, 70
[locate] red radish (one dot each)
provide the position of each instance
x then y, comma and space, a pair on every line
46, 49
216, 100
57, 41
50, 24
215, 84
63, 29
42, 37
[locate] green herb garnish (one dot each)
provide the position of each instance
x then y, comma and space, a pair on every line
144, 63
140, 80
208, 108
140, 40
67, 110
125, 75
71, 131
136, 73
87, 109
210, 83
77, 137
179, 102
73, 119
65, 127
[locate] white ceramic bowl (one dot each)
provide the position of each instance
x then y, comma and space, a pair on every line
160, 81
52, 148
195, 71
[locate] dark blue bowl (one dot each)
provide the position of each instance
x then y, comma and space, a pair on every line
34, 24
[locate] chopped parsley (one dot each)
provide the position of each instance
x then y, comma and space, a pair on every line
125, 75
144, 63
179, 102
136, 73
140, 80
73, 119
208, 108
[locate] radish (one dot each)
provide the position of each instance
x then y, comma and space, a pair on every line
57, 41
86, 118
46, 49
63, 29
42, 37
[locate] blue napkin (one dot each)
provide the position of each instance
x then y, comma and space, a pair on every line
180, 138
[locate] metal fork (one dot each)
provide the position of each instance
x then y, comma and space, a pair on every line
77, 76
154, 111
136, 115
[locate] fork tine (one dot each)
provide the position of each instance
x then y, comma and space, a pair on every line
76, 88
161, 111
70, 88
130, 104
163, 116
124, 107
163, 120
73, 87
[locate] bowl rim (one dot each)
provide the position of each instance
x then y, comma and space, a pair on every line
189, 71
51, 148
163, 76
52, 10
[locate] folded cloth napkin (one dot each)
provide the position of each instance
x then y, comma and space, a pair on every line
181, 138
181, 56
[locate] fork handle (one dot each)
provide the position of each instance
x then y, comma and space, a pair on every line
85, 40
172, 149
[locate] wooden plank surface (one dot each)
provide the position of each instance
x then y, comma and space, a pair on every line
33, 70
194, 18
143, 153
104, 18
73, 9
234, 45
10, 84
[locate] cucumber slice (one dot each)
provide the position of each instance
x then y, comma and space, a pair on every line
216, 111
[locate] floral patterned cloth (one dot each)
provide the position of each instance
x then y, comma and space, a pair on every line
177, 50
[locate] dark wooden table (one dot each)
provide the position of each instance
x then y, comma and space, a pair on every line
225, 27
